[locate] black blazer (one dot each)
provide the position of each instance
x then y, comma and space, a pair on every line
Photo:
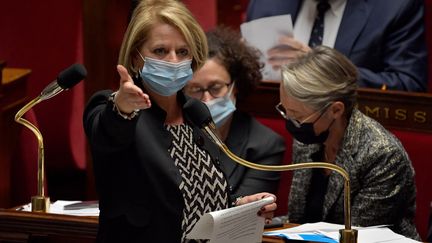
385, 39
137, 181
254, 142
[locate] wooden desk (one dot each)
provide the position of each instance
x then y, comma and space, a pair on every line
18, 226
12, 98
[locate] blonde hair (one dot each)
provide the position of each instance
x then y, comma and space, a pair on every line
320, 77
172, 12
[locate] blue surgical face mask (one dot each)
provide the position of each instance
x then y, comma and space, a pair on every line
165, 78
221, 108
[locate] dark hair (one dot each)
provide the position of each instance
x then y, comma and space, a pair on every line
239, 59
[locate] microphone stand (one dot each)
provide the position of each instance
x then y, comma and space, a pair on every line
347, 235
39, 203
65, 80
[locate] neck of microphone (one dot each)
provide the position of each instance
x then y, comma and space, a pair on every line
65, 80
200, 116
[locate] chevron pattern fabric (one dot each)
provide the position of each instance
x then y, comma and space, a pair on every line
203, 185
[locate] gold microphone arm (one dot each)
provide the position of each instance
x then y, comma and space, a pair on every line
347, 235
39, 203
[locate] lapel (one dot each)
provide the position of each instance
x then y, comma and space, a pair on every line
301, 180
293, 8
154, 142
345, 160
353, 22
337, 183
236, 140
299, 191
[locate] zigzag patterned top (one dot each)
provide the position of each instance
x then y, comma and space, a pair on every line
204, 186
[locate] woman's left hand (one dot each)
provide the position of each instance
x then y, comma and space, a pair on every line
266, 211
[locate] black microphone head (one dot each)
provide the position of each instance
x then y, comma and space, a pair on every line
71, 76
198, 112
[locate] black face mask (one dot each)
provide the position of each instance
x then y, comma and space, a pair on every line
305, 133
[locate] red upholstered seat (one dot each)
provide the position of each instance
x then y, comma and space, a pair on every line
419, 149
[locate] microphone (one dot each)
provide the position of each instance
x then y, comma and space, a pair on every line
200, 115
65, 80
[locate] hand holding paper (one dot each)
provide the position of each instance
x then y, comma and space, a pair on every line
267, 211
265, 34
239, 224
287, 50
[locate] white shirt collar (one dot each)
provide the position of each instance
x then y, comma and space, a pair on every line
335, 7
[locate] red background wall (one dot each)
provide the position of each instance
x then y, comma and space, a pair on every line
46, 37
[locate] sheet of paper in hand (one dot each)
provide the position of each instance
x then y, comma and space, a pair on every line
239, 224
264, 34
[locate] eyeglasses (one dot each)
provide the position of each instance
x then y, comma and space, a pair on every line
216, 90
296, 122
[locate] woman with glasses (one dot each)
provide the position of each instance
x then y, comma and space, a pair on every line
318, 98
156, 172
230, 74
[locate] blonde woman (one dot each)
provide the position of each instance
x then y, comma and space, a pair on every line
156, 172
318, 96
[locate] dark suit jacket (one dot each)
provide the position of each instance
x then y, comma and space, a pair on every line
137, 181
384, 38
254, 142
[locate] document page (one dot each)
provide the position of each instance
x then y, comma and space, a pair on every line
264, 34
326, 232
239, 224
87, 208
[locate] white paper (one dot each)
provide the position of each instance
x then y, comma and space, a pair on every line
239, 224
57, 208
372, 234
264, 33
